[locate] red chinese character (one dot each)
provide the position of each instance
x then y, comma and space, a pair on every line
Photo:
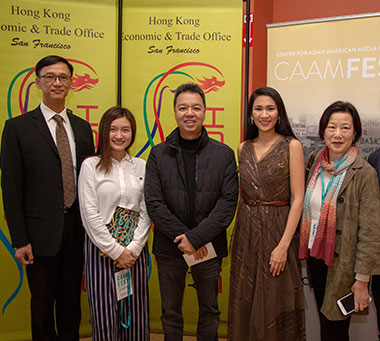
250, 29
214, 125
94, 131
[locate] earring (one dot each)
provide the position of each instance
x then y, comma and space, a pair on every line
251, 121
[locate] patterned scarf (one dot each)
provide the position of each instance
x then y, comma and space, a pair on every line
324, 242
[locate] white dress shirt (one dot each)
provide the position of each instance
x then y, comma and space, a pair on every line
52, 123
99, 195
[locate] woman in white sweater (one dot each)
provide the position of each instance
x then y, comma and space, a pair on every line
111, 197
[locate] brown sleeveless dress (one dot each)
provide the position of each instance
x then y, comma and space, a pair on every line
263, 307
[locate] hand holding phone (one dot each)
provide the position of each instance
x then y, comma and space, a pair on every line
347, 303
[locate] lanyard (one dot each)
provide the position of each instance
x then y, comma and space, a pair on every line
324, 192
124, 289
129, 304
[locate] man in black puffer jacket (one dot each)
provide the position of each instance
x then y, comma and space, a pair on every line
191, 191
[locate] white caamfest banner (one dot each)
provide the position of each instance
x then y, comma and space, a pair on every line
313, 64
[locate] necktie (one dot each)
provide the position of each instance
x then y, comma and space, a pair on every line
64, 151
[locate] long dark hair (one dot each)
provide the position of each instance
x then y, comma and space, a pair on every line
283, 127
104, 149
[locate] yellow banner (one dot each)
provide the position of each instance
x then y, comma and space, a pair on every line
314, 64
84, 32
164, 47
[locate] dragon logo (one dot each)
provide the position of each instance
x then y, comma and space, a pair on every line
210, 84
212, 80
83, 80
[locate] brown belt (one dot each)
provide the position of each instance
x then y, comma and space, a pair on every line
267, 203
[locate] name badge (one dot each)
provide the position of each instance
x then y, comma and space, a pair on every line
313, 232
123, 284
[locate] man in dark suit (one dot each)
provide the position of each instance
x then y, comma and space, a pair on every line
39, 194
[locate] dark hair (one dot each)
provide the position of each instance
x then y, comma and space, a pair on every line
190, 87
282, 127
50, 60
104, 148
340, 106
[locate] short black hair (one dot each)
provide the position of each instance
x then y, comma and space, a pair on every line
50, 60
340, 106
190, 87
283, 127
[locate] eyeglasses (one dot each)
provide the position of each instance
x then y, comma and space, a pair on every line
49, 78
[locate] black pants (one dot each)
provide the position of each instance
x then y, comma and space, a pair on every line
375, 289
330, 330
55, 282
171, 274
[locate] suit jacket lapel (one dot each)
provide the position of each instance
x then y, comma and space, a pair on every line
351, 171
42, 127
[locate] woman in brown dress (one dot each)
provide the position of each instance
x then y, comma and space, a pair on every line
266, 294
